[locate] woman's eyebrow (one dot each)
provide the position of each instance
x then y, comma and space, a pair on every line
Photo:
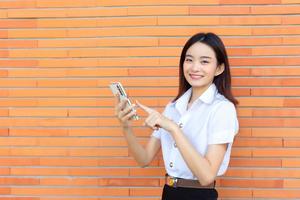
206, 57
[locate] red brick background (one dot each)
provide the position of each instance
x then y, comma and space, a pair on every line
59, 138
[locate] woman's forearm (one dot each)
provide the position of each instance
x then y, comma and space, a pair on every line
200, 165
138, 151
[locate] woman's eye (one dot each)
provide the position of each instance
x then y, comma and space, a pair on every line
188, 60
204, 62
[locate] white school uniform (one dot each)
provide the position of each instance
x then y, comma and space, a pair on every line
211, 119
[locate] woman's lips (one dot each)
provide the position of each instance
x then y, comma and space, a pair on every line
196, 76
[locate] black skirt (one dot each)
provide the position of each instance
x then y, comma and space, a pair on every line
180, 193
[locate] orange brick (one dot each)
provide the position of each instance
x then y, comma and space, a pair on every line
37, 53
251, 41
4, 171
291, 40
95, 132
19, 161
36, 73
275, 132
286, 71
255, 162
290, 162
36, 13
191, 20
241, 152
292, 102
290, 20
4, 132
109, 172
291, 183
118, 162
288, 30
289, 1
19, 181
273, 152
18, 4
291, 143
130, 21
4, 53
96, 12
261, 102
18, 63
37, 151
245, 20
18, 24
275, 51
290, 194
252, 2
3, 14
10, 141
262, 81
5, 190
69, 181
4, 112
18, 102
276, 112
64, 162
147, 172
270, 142
109, 152
72, 191
274, 92
155, 2
253, 183
3, 34
65, 62
18, 44
236, 172
38, 112
68, 3
129, 182
234, 193
37, 132
158, 10
39, 33
145, 191
274, 9
219, 10
66, 23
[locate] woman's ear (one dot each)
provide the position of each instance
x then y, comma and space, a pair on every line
220, 69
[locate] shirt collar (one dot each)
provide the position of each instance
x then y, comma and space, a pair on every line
207, 97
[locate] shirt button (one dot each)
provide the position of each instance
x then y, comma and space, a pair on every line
175, 145
180, 125
171, 164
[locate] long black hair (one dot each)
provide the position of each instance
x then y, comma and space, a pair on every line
223, 80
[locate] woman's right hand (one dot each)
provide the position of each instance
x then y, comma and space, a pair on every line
124, 112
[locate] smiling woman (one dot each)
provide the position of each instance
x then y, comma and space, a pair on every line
196, 129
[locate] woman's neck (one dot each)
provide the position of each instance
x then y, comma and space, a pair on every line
196, 93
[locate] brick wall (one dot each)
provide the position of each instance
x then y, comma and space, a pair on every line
58, 136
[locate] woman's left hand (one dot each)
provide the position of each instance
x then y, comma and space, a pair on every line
156, 120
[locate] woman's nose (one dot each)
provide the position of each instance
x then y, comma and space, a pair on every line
196, 66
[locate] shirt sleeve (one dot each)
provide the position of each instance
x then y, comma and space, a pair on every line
223, 125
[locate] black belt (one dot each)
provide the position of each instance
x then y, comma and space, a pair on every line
189, 183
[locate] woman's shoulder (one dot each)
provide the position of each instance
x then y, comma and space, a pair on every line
222, 103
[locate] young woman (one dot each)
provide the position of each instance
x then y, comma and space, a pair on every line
196, 130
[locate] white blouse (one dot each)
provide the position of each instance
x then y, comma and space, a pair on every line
211, 119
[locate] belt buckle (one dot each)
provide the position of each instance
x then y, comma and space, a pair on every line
173, 181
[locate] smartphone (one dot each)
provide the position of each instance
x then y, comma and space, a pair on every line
117, 88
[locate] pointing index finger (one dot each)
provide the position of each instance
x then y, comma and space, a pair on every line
145, 108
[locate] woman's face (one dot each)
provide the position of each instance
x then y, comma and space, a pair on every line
200, 66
